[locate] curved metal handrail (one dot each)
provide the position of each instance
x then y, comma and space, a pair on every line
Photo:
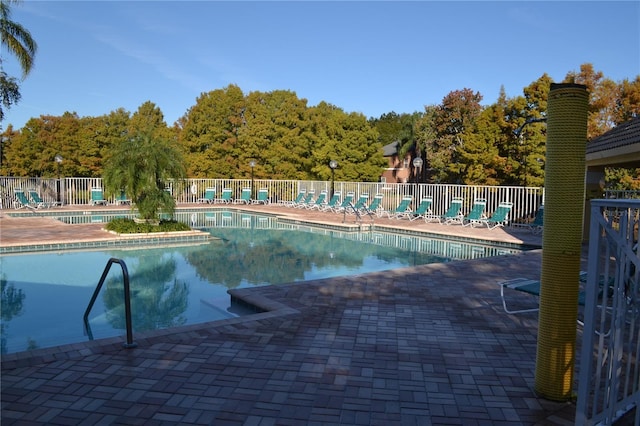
127, 301
356, 212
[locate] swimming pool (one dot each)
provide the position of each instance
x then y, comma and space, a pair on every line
44, 295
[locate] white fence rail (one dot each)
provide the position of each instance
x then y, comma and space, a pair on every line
621, 194
609, 375
77, 192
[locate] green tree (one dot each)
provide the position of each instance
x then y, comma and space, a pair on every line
480, 150
145, 162
389, 127
454, 118
6, 138
628, 104
32, 151
603, 96
274, 132
425, 136
209, 133
18, 41
99, 135
9, 92
83, 143
348, 139
623, 179
523, 134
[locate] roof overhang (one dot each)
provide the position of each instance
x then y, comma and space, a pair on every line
622, 156
619, 147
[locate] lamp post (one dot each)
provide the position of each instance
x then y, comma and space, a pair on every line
417, 168
252, 164
58, 160
333, 164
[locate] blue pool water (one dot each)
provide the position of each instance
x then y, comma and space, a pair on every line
44, 295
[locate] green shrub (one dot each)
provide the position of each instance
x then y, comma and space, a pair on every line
128, 226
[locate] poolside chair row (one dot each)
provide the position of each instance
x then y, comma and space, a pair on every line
453, 215
403, 211
97, 198
32, 201
537, 225
348, 204
477, 215
227, 197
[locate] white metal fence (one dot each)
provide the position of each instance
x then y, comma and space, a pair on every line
77, 192
609, 375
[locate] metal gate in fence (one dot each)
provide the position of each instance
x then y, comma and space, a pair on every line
609, 372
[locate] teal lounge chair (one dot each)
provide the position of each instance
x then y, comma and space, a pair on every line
375, 207
21, 200
335, 199
348, 199
452, 215
209, 196
122, 199
360, 204
403, 208
476, 215
319, 202
423, 210
225, 197
297, 200
263, 197
500, 216
306, 201
532, 287
245, 197
520, 284
537, 225
97, 197
38, 202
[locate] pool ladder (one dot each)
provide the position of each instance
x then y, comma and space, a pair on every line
127, 302
357, 213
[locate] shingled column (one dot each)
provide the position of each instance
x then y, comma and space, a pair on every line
561, 242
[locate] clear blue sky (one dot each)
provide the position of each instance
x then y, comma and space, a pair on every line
371, 57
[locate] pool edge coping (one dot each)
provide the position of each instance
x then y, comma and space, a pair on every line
269, 309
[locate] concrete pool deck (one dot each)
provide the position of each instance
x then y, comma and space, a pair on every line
422, 345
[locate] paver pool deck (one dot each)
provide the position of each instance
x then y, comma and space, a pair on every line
424, 345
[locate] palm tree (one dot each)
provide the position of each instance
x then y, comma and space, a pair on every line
18, 41
16, 38
140, 167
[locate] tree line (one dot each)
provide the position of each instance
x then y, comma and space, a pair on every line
459, 140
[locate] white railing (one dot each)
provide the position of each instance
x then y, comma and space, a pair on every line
609, 374
621, 194
77, 192
49, 189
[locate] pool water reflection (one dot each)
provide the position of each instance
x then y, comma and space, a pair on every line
44, 295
